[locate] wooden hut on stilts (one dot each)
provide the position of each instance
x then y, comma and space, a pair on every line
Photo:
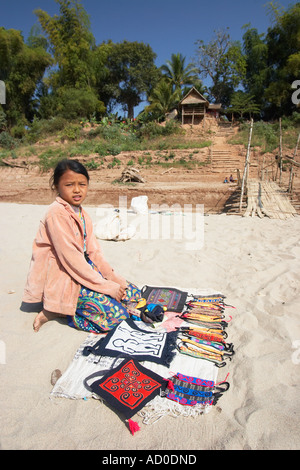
194, 108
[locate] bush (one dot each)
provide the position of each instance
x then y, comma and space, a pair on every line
82, 148
18, 131
41, 128
113, 149
264, 135
291, 122
7, 141
172, 127
95, 132
50, 158
92, 165
3, 121
150, 130
296, 118
115, 162
71, 132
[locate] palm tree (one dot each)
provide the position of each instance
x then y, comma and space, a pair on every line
179, 75
163, 99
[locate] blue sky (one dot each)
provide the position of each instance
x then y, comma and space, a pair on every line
168, 26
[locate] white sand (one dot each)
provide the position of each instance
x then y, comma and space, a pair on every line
254, 262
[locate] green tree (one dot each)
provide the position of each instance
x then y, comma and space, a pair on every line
256, 56
36, 38
242, 103
11, 44
178, 74
283, 42
223, 62
130, 73
72, 82
73, 103
22, 68
71, 43
104, 85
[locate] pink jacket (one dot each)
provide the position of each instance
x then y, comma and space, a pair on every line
58, 267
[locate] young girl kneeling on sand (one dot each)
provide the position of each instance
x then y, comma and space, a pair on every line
67, 272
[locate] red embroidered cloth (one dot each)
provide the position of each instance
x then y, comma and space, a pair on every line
128, 387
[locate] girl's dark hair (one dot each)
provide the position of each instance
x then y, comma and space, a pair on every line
63, 166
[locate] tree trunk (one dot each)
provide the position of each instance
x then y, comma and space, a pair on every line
130, 111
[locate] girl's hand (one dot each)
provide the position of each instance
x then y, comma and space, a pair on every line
121, 294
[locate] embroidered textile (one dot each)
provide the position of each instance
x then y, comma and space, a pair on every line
128, 387
190, 350
169, 297
205, 334
208, 340
209, 298
71, 384
127, 339
209, 322
88, 360
191, 391
98, 313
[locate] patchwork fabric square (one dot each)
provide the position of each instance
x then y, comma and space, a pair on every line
173, 299
127, 339
128, 387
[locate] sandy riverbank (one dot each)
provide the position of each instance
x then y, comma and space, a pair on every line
254, 262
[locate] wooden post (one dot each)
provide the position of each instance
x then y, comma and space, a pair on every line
238, 178
262, 172
291, 170
280, 150
246, 169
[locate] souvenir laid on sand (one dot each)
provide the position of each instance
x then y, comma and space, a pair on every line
169, 297
108, 366
191, 391
205, 336
128, 388
127, 339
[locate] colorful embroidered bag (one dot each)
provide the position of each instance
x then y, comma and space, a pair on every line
169, 297
127, 388
191, 391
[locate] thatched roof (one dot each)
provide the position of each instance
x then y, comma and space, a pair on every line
193, 97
